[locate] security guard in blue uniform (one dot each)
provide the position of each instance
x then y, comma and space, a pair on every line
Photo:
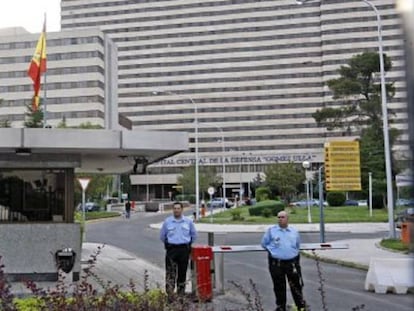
283, 243
177, 233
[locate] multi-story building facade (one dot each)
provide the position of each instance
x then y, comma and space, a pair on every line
78, 87
251, 72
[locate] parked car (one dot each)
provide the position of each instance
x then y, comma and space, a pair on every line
404, 216
405, 202
90, 207
303, 203
362, 203
218, 202
351, 203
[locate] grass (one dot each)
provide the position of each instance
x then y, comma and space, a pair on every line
95, 215
394, 244
300, 215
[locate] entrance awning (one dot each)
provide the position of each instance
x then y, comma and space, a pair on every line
87, 150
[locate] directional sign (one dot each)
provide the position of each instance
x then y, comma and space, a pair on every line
342, 166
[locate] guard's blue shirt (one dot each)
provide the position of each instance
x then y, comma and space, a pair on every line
178, 231
282, 243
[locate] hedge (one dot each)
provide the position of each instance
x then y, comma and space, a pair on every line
260, 207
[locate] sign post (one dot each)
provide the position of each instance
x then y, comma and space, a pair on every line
84, 182
211, 191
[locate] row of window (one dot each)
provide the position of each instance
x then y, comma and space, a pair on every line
205, 60
54, 71
256, 48
223, 10
229, 21
241, 70
224, 109
252, 29
53, 57
253, 58
230, 109
56, 101
133, 2
263, 78
51, 42
53, 86
61, 115
188, 118
258, 127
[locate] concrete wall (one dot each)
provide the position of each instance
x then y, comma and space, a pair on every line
28, 250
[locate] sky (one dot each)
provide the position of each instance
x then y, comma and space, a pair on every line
29, 14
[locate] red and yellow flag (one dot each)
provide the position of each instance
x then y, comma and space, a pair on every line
38, 66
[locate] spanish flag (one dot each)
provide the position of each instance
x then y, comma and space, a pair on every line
38, 66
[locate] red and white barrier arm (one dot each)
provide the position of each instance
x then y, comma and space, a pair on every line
259, 248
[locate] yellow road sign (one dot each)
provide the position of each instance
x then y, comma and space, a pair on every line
342, 166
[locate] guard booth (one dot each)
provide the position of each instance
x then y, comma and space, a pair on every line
37, 178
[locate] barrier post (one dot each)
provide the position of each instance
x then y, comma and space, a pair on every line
210, 242
405, 232
201, 256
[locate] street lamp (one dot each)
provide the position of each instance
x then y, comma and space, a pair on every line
306, 166
223, 159
197, 182
321, 207
387, 151
223, 162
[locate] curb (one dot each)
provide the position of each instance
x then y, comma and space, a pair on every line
343, 263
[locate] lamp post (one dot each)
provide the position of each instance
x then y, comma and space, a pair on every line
321, 207
306, 166
197, 181
223, 163
223, 158
387, 151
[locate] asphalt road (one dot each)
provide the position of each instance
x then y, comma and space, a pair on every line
343, 287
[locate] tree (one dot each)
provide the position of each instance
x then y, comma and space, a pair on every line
284, 179
4, 122
357, 94
34, 118
207, 177
257, 182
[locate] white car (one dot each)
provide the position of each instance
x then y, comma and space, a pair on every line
218, 202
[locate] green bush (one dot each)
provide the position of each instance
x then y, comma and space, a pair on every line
335, 198
274, 206
262, 194
267, 212
186, 197
236, 214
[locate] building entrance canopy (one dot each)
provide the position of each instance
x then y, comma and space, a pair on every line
92, 151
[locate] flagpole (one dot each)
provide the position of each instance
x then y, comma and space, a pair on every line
45, 86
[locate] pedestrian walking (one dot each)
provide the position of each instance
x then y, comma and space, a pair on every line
128, 209
177, 233
282, 242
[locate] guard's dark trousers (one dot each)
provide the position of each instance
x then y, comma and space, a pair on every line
279, 271
176, 263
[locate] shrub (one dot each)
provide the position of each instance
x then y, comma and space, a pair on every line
335, 198
186, 197
236, 214
262, 194
274, 206
267, 212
